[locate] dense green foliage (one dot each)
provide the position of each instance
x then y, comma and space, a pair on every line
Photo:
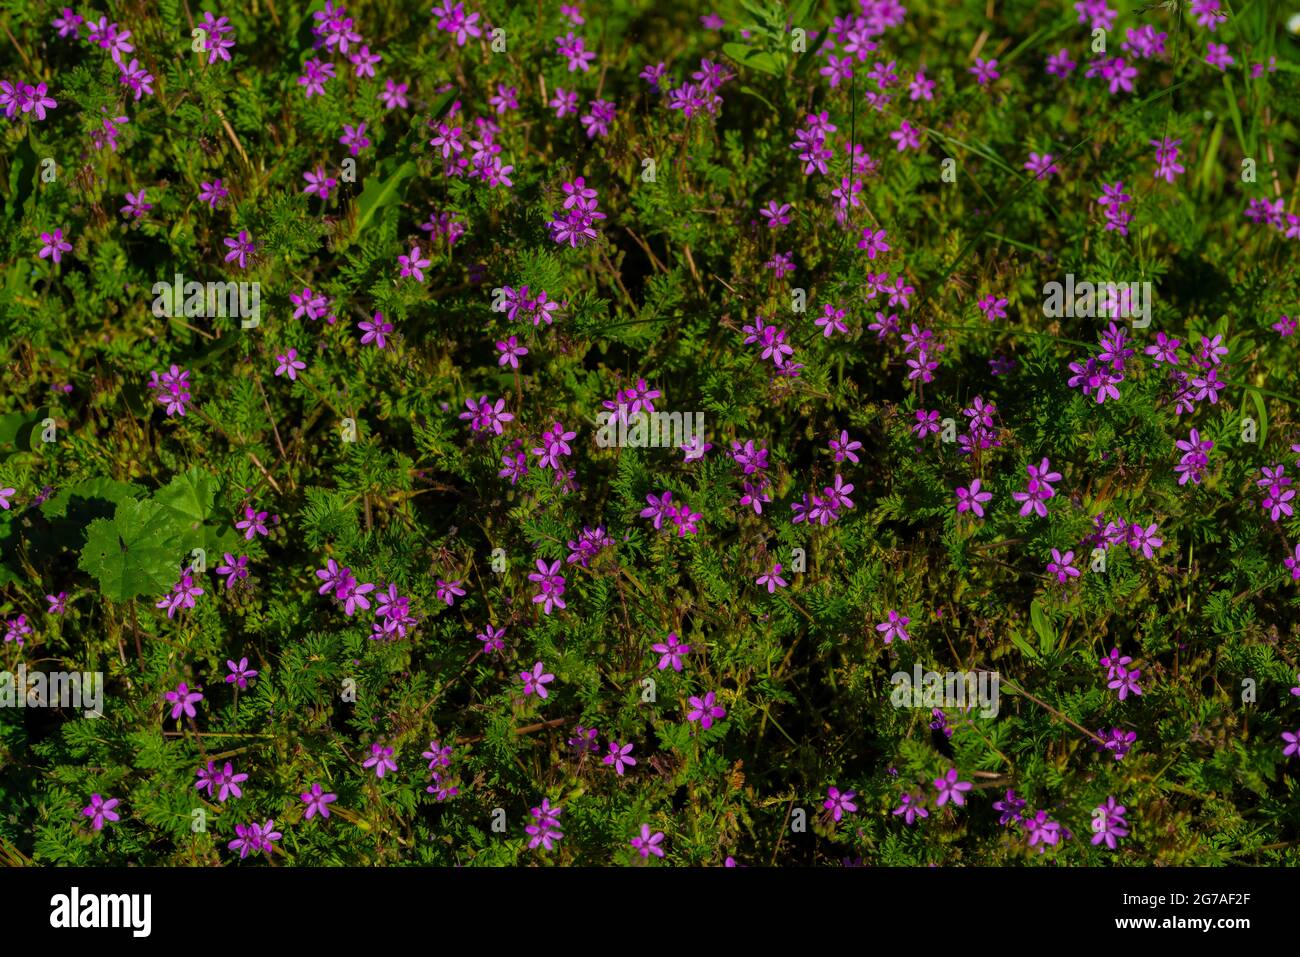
362, 458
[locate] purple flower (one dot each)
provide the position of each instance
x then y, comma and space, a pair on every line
438, 755
535, 681
546, 829
598, 120
619, 755
289, 364
135, 205
564, 102
1125, 681
550, 585
1010, 807
839, 803
1060, 64
1167, 165
241, 247
873, 242
510, 350
364, 61
776, 215
1117, 741
315, 75
394, 95
449, 591
971, 499
1039, 490
239, 673
171, 389
555, 444
183, 700
1293, 743
317, 802
772, 579
491, 638
1041, 166
253, 838
584, 739
253, 523
671, 652
1042, 831
16, 629
354, 138
59, 602
910, 808
894, 626
1062, 566
381, 759
69, 23
214, 193
985, 71
1216, 55
220, 36
950, 788
573, 50
375, 330
181, 596
705, 711
412, 264
319, 182
647, 843
1108, 823
54, 246
100, 810
220, 783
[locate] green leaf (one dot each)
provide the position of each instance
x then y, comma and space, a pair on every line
16, 427
756, 59
1023, 645
134, 553
101, 489
754, 93
1262, 411
188, 500
1042, 626
380, 193
189, 496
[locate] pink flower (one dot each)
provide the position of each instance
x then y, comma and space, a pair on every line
894, 627
971, 499
535, 681
54, 246
289, 364
413, 263
375, 330
648, 843
319, 182
705, 711
381, 759
950, 788
619, 756
985, 71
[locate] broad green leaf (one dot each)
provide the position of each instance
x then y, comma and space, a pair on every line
748, 56
134, 553
101, 488
380, 193
188, 500
189, 496
16, 427
1023, 645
